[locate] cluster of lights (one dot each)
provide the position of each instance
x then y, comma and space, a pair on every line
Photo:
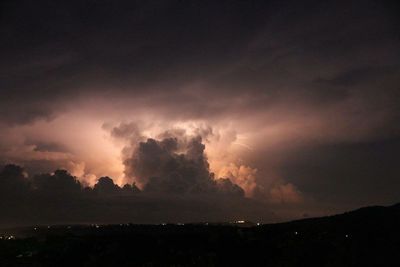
10, 237
181, 224
297, 233
37, 228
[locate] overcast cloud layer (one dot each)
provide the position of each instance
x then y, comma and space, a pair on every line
294, 104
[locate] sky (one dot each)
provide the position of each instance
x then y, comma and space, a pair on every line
208, 110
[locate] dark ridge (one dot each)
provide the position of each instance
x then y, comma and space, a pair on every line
368, 236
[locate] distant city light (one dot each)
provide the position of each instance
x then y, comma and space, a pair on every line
10, 237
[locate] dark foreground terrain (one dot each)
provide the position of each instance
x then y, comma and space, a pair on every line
365, 237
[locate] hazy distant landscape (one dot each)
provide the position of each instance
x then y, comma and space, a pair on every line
366, 237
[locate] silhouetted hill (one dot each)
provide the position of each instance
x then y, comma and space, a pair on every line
365, 237
373, 216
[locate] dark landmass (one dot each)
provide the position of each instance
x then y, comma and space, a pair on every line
365, 237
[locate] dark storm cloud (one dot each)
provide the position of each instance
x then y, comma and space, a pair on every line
13, 181
50, 51
161, 159
42, 146
106, 186
56, 52
125, 131
178, 186
60, 197
362, 75
349, 175
175, 164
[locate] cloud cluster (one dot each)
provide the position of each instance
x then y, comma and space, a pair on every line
244, 176
176, 163
171, 170
59, 197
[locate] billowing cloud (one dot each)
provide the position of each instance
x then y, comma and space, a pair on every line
175, 163
59, 197
242, 175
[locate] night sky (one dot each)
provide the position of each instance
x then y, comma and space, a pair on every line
208, 110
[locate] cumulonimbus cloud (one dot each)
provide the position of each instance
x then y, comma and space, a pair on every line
59, 197
176, 162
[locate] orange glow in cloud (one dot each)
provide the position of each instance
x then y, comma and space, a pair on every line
92, 152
